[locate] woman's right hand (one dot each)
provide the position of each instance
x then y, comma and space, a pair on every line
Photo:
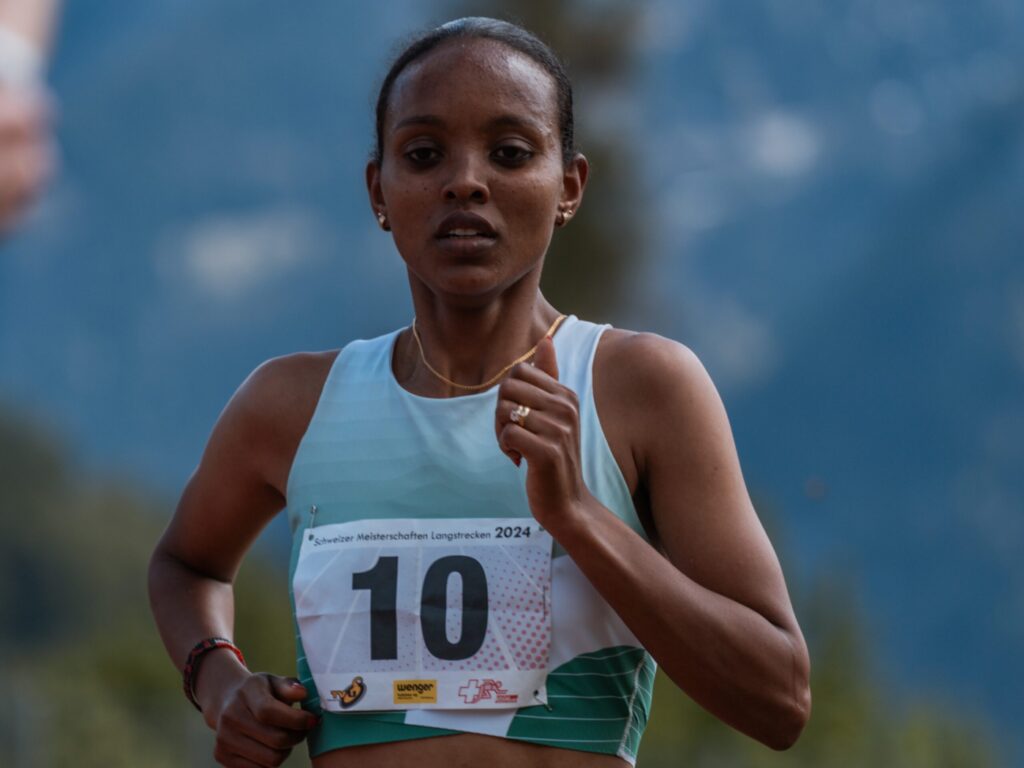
254, 719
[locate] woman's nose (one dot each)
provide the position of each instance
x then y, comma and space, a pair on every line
467, 182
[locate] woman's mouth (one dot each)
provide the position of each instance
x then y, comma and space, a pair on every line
466, 242
460, 233
463, 224
464, 233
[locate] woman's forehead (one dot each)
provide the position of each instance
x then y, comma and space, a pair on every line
479, 75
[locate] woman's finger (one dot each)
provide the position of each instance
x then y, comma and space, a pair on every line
278, 739
523, 441
544, 394
541, 394
545, 360
260, 753
511, 410
537, 389
521, 393
240, 749
534, 375
562, 405
534, 420
229, 760
278, 710
518, 399
273, 719
286, 688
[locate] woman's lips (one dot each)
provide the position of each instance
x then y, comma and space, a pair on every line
463, 224
463, 233
466, 244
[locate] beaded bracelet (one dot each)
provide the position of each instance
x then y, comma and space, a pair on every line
188, 672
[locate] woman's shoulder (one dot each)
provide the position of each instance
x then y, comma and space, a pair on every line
282, 392
289, 380
648, 391
637, 364
269, 413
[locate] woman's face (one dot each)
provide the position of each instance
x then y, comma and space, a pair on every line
472, 177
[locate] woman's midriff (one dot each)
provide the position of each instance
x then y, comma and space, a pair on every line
466, 750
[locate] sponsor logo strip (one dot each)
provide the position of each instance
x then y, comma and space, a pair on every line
475, 691
415, 691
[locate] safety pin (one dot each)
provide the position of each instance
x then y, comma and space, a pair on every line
312, 519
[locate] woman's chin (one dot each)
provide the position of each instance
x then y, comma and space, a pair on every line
469, 291
470, 282
467, 247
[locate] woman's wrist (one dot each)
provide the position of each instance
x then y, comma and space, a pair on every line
220, 672
575, 519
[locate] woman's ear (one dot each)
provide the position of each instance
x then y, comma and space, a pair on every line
373, 188
574, 180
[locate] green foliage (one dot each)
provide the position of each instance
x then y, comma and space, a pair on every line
92, 685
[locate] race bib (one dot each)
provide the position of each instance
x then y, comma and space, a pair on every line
435, 614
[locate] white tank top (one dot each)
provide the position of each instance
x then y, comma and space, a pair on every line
374, 451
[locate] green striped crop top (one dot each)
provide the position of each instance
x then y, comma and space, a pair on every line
375, 452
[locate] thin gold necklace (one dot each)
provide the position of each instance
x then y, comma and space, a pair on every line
494, 379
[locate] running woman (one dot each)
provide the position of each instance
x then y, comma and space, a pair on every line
503, 518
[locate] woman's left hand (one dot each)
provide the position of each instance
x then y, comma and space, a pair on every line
548, 437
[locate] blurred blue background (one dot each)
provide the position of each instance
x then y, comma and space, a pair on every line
822, 200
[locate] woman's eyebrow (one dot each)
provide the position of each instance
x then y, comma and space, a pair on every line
500, 121
418, 120
513, 121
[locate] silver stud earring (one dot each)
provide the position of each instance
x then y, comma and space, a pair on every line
382, 219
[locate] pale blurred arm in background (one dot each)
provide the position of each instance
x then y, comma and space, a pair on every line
26, 153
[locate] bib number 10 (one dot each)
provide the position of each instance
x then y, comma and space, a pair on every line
382, 582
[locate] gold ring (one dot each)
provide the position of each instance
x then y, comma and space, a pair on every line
519, 414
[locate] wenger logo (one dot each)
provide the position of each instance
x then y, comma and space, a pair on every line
415, 691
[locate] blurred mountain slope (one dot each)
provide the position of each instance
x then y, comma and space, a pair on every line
838, 191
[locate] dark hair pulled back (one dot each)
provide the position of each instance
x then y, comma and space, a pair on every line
506, 32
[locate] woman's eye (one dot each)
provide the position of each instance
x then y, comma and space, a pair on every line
512, 154
423, 155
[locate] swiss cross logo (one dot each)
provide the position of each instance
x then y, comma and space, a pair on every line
476, 691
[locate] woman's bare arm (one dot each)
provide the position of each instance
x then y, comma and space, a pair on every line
714, 610
237, 488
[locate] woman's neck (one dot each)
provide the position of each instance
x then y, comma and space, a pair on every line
465, 345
